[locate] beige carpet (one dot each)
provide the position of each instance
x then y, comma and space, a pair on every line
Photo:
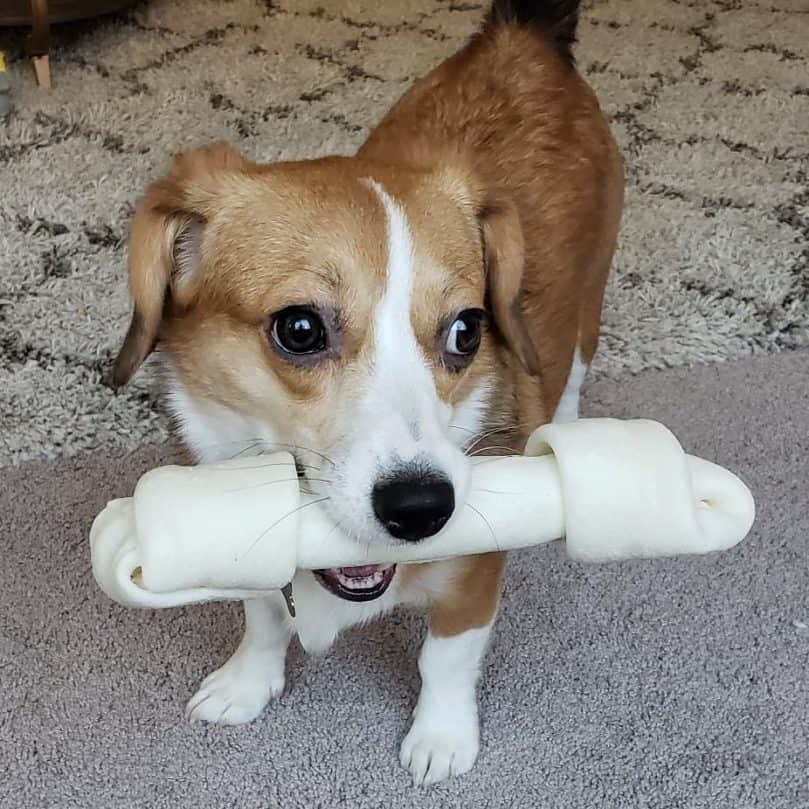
678, 684
710, 101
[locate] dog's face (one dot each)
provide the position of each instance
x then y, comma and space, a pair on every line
334, 311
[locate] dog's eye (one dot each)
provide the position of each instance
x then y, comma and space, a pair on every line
298, 330
463, 337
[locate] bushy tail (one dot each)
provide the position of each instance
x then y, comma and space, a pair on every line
556, 19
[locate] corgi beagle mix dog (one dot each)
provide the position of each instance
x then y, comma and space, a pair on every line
387, 317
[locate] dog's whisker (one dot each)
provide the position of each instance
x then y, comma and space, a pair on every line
252, 443
488, 524
281, 519
219, 444
274, 482
461, 427
263, 466
508, 450
479, 436
246, 449
497, 446
305, 489
495, 491
335, 527
283, 464
503, 428
469, 449
302, 449
508, 423
493, 429
498, 427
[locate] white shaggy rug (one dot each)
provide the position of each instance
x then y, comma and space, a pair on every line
709, 100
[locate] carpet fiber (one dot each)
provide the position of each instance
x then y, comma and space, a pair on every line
664, 685
709, 100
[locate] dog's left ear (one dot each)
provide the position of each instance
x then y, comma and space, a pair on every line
503, 253
503, 259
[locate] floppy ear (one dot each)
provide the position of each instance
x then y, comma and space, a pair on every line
165, 236
503, 251
503, 257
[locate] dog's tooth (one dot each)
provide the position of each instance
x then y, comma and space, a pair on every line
355, 583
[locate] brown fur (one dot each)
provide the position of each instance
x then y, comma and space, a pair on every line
472, 597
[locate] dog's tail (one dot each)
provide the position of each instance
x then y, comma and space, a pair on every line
556, 19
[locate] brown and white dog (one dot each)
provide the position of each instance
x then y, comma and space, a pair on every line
385, 316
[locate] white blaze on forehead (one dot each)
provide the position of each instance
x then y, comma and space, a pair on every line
395, 304
401, 376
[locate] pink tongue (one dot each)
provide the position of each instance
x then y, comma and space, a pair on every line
359, 572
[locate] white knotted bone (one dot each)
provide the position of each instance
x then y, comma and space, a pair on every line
614, 489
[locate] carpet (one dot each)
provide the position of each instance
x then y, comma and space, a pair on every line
709, 100
675, 684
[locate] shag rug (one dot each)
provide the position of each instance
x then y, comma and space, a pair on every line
666, 684
709, 100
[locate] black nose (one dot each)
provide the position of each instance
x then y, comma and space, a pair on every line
413, 507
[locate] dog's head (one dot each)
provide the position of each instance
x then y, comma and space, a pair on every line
356, 315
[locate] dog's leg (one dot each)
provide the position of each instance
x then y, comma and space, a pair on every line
568, 407
238, 691
444, 737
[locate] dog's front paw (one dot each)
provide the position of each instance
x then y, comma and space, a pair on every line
236, 693
438, 747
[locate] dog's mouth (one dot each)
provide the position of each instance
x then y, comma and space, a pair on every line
363, 583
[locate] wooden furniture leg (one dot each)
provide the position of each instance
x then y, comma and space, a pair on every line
39, 42
42, 68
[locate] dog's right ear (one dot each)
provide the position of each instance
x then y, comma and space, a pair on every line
165, 240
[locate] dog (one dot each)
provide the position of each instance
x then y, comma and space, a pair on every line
386, 317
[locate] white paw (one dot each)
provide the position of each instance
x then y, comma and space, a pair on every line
234, 694
435, 751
